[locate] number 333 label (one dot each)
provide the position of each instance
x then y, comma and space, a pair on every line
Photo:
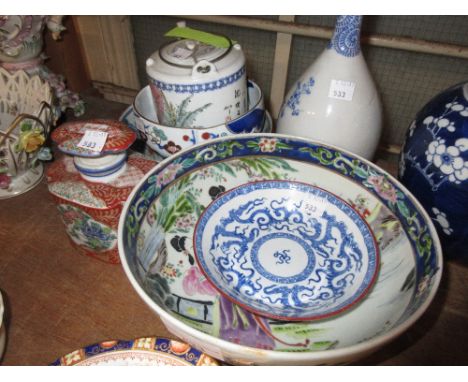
93, 140
341, 90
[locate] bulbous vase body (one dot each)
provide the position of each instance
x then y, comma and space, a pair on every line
434, 166
335, 101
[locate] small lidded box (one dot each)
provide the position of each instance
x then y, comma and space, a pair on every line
92, 181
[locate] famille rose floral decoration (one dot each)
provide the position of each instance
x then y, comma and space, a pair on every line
90, 187
434, 165
168, 139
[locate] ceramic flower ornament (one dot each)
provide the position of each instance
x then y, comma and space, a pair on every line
21, 48
30, 139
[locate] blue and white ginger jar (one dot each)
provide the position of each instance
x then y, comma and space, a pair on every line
434, 166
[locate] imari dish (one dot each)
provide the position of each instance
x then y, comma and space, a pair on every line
350, 223
148, 351
167, 140
2, 328
286, 250
434, 166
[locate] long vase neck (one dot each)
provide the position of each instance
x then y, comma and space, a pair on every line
346, 38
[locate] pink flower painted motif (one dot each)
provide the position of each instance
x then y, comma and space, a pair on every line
267, 145
71, 216
196, 283
168, 174
383, 187
5, 181
151, 218
185, 222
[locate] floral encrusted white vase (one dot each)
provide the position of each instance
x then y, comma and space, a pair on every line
21, 48
434, 166
335, 100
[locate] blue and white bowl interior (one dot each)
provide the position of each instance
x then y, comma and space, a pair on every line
156, 245
286, 250
434, 166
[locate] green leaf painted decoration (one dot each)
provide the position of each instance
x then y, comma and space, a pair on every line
180, 116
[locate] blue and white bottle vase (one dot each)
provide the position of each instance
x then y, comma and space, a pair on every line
335, 101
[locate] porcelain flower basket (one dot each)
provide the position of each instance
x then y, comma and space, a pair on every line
25, 121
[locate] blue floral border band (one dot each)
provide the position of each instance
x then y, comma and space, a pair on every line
199, 88
161, 345
346, 38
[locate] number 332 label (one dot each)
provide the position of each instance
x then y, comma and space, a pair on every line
341, 90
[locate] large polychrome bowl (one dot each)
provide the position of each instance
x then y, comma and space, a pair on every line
186, 197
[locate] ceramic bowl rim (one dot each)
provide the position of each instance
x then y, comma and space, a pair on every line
352, 351
129, 110
124, 346
138, 114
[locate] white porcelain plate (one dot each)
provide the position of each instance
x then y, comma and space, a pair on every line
286, 250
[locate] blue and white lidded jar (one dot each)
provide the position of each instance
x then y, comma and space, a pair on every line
434, 166
198, 85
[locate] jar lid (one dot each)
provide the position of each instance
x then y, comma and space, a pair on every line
178, 61
187, 52
68, 136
